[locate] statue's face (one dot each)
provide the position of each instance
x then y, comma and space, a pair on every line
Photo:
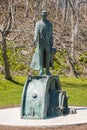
44, 17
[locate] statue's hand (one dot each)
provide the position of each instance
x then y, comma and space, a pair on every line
33, 45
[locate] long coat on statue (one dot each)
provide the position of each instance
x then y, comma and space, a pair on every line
43, 37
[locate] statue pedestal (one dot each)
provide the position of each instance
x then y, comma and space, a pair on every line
43, 97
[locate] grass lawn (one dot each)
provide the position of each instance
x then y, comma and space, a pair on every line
11, 91
76, 89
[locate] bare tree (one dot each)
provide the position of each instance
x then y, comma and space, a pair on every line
5, 29
69, 24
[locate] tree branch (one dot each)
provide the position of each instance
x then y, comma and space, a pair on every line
82, 2
7, 28
11, 39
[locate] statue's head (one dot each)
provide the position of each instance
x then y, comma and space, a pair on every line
44, 14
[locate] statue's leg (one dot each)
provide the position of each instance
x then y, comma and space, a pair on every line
41, 72
47, 60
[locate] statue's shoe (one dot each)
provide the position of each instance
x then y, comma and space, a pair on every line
48, 73
41, 73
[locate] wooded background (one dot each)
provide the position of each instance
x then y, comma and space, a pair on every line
17, 23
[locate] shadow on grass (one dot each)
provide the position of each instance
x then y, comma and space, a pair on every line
17, 83
74, 85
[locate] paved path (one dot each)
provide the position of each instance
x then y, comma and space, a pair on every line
11, 117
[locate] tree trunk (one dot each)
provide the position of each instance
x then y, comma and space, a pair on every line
74, 30
72, 67
5, 59
86, 11
27, 8
65, 11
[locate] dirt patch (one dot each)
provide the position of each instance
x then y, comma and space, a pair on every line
11, 106
72, 127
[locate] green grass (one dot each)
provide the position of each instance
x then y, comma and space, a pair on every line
11, 91
76, 89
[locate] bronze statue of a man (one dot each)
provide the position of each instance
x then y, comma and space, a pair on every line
44, 39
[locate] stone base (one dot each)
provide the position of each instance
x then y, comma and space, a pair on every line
10, 120
43, 97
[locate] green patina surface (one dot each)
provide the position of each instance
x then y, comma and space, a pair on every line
42, 97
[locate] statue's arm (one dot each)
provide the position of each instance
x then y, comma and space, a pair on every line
51, 38
36, 32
